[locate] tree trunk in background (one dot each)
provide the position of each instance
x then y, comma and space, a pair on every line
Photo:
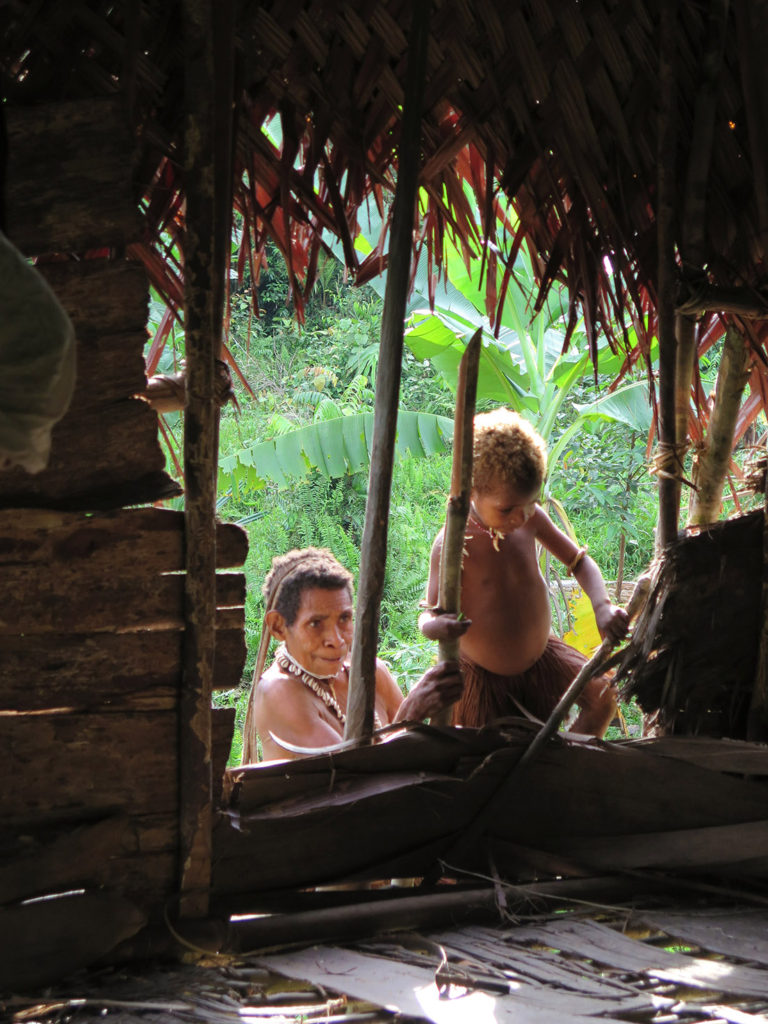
712, 463
685, 358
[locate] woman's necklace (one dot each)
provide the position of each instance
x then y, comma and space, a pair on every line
315, 683
495, 535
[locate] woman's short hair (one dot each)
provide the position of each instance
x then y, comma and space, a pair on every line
291, 574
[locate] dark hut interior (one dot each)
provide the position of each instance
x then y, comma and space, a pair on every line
628, 140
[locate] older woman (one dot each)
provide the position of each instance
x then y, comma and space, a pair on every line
301, 699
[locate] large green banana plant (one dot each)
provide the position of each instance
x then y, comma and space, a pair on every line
332, 447
522, 365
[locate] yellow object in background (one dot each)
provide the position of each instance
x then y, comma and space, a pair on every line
583, 634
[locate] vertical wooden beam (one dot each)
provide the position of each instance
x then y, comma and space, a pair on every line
665, 298
692, 245
752, 26
203, 299
373, 554
757, 716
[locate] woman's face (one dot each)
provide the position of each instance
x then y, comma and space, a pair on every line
321, 635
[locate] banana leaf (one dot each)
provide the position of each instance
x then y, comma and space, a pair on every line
332, 447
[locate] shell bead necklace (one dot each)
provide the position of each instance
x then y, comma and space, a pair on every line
496, 535
315, 683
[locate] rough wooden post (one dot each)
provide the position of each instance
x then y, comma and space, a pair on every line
757, 717
373, 554
203, 267
665, 302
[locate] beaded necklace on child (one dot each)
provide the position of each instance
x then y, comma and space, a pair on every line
496, 535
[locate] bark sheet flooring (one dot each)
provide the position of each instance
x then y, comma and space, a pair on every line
658, 962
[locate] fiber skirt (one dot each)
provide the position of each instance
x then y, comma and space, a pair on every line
535, 692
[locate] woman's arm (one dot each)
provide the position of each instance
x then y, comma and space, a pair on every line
288, 711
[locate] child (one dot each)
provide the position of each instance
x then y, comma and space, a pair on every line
511, 662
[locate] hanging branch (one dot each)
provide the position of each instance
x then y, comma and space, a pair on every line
373, 552
449, 595
713, 463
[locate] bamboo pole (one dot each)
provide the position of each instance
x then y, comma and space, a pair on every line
449, 590
373, 553
667, 467
203, 266
712, 465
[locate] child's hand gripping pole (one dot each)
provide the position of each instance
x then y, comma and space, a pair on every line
457, 511
590, 669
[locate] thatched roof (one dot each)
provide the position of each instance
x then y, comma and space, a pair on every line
556, 104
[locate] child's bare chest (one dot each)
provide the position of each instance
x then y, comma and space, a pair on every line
498, 573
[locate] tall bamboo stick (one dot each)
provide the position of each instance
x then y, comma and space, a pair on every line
449, 588
713, 462
373, 553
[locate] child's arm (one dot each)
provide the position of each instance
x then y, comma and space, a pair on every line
612, 621
434, 624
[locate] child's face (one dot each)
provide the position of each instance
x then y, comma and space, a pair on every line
504, 507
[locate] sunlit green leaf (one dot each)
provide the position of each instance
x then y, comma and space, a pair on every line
332, 447
628, 404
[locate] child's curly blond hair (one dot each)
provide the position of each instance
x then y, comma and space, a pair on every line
507, 450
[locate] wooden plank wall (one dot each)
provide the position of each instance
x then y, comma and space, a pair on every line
91, 625
90, 662
70, 206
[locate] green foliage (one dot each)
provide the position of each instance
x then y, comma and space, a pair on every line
311, 419
333, 447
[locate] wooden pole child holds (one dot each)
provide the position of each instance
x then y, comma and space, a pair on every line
457, 511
